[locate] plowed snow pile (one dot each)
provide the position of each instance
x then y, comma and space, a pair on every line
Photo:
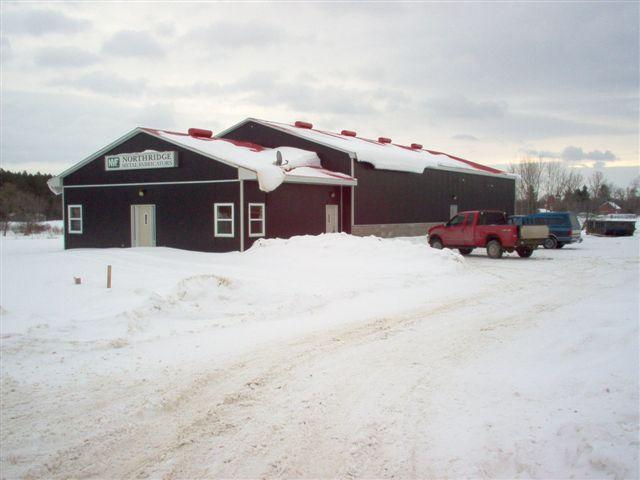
327, 356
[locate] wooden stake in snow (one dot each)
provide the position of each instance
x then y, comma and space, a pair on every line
77, 280
108, 276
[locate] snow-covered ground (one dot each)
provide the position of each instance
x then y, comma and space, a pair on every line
329, 356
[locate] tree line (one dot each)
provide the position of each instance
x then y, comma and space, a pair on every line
25, 197
553, 186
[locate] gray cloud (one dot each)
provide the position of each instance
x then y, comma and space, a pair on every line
515, 49
300, 94
576, 154
158, 115
303, 95
130, 43
62, 57
464, 136
460, 106
510, 74
104, 83
41, 22
524, 126
6, 51
235, 34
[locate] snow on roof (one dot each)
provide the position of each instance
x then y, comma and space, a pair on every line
251, 156
295, 164
385, 155
612, 205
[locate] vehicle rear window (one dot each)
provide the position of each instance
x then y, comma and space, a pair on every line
575, 224
492, 218
547, 220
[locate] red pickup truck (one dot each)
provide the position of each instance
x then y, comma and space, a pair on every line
487, 229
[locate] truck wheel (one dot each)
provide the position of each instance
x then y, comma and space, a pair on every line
465, 251
436, 243
494, 249
524, 252
550, 243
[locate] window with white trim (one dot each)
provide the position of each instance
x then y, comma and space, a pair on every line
256, 219
223, 220
74, 218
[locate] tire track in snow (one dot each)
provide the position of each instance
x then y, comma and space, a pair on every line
215, 404
187, 414
219, 426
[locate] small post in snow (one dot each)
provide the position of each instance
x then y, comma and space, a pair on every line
108, 276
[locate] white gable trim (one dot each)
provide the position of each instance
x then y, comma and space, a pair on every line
130, 135
99, 153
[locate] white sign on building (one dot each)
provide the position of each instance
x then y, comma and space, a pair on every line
135, 161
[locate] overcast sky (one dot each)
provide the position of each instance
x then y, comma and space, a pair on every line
491, 82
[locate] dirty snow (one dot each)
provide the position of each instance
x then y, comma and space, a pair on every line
328, 356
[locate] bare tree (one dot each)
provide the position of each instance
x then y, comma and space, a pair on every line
596, 180
528, 185
574, 181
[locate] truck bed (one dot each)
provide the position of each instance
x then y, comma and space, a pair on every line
534, 232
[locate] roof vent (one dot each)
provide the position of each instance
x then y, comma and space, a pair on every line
300, 124
199, 132
384, 140
416, 146
348, 133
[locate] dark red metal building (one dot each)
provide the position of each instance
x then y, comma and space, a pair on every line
264, 179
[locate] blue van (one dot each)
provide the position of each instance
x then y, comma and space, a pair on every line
563, 227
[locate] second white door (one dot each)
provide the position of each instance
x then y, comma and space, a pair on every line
331, 214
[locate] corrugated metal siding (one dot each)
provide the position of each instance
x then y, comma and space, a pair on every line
386, 197
184, 215
291, 209
294, 209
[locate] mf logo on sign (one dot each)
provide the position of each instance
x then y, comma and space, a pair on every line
113, 162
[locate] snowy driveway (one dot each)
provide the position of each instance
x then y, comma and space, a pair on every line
327, 356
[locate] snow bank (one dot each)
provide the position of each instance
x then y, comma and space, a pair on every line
319, 272
47, 229
327, 356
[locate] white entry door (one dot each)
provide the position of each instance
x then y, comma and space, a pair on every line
143, 225
453, 211
331, 214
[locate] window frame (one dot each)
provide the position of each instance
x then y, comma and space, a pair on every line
262, 220
70, 218
464, 219
216, 220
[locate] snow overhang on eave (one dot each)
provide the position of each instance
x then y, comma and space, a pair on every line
321, 181
447, 168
